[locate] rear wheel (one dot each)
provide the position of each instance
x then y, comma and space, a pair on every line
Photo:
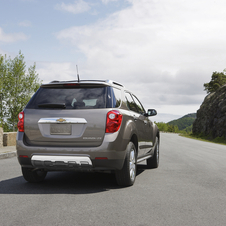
127, 175
153, 162
32, 175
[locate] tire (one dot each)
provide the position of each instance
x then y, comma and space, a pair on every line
33, 176
153, 162
127, 175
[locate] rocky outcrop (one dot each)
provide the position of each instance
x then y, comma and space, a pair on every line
211, 117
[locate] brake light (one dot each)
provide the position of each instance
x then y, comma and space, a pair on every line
114, 120
71, 84
101, 158
20, 124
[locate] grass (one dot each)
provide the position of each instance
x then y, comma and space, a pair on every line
201, 137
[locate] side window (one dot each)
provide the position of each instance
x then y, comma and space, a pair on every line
109, 98
139, 105
130, 102
117, 97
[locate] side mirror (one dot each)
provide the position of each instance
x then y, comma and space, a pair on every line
151, 112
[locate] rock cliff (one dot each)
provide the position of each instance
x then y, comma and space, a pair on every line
211, 117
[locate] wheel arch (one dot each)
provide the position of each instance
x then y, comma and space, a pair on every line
158, 135
134, 139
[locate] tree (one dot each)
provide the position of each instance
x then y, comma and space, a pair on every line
2, 77
17, 86
218, 79
165, 127
172, 128
162, 126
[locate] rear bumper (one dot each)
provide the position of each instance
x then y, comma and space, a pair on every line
107, 156
61, 165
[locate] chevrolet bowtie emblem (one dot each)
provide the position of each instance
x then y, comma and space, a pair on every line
61, 120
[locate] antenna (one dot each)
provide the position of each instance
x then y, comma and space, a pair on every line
77, 73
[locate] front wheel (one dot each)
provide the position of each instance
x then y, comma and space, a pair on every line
32, 175
153, 162
127, 175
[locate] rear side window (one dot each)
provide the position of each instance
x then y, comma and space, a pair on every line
114, 97
117, 97
69, 98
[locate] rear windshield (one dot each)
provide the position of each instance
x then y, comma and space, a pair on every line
72, 98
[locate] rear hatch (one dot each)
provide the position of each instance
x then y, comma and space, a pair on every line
67, 115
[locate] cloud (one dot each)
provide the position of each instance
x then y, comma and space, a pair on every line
149, 31
107, 1
12, 37
164, 51
78, 6
28, 0
49, 71
25, 23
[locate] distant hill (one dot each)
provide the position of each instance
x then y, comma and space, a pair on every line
184, 122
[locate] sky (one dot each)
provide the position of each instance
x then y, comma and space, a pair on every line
163, 51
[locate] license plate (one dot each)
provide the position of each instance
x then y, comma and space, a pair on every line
60, 129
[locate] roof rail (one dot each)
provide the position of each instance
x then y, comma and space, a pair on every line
106, 81
115, 83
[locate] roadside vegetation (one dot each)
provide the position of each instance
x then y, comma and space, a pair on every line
218, 140
218, 79
187, 132
182, 125
17, 84
166, 127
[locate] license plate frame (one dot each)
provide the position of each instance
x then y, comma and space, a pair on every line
60, 129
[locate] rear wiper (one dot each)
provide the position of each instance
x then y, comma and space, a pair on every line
48, 105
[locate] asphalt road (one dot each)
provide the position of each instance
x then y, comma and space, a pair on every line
188, 188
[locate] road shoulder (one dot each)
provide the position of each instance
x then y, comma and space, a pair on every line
7, 152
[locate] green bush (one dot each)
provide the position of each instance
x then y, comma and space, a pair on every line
165, 127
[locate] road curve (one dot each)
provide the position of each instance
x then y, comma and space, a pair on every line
188, 188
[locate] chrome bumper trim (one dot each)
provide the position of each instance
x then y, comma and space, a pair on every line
62, 120
52, 161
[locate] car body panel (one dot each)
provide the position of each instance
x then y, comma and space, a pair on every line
80, 132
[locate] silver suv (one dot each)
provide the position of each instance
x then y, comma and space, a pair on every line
86, 125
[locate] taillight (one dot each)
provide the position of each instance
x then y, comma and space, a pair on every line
20, 124
114, 119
